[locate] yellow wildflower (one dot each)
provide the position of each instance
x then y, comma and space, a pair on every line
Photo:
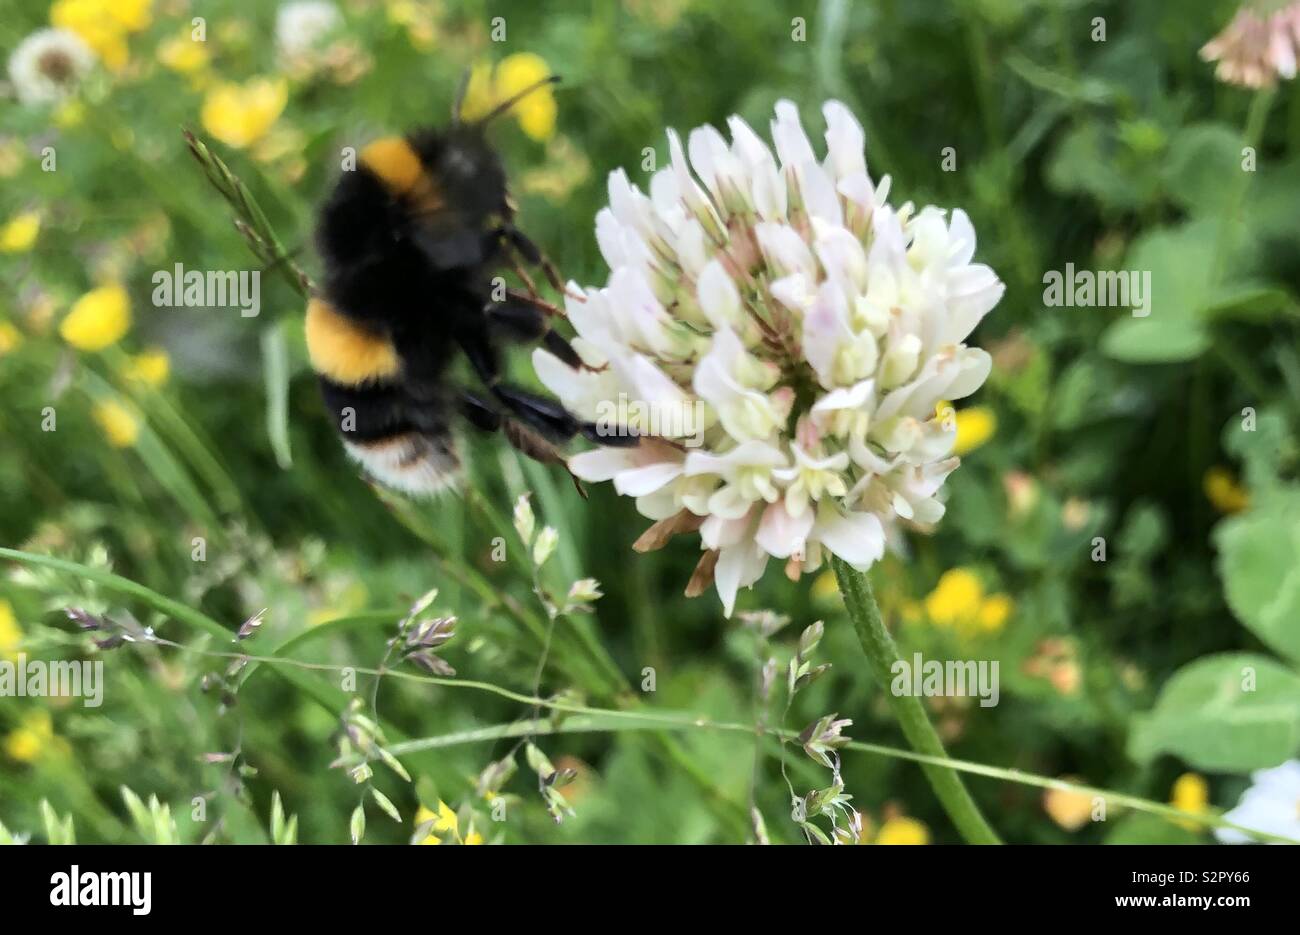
119, 424
956, 598
103, 24
150, 367
184, 55
11, 635
131, 15
489, 87
975, 426
444, 822
1222, 490
19, 233
994, 612
474, 837
1191, 793
903, 830
1069, 809
958, 601
10, 337
447, 820
98, 319
32, 738
422, 815
240, 115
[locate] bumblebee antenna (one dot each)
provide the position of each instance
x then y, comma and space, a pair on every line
505, 105
458, 102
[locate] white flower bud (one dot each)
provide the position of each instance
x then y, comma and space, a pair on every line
524, 521
584, 591
545, 545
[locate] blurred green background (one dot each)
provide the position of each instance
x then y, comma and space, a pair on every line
1173, 437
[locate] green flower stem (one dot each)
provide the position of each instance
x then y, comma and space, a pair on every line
882, 653
1256, 120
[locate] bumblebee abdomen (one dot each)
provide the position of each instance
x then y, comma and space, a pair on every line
412, 462
400, 444
346, 351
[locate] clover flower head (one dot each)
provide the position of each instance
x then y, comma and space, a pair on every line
1259, 46
809, 327
47, 66
301, 26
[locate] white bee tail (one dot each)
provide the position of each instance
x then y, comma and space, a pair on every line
412, 463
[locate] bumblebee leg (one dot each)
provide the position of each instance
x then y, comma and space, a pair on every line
556, 423
475, 339
524, 320
520, 246
482, 415
541, 414
478, 412
533, 255
523, 274
535, 301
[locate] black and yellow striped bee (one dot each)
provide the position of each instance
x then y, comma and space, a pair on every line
410, 241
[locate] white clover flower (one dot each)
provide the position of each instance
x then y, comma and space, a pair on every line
1271, 805
300, 26
815, 326
48, 64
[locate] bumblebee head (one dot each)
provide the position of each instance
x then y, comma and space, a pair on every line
466, 169
463, 160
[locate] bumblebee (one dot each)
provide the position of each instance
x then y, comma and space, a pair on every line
410, 241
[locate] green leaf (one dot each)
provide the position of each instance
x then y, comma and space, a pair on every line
1144, 531
1180, 262
1271, 200
1155, 340
1076, 90
1259, 562
1090, 160
1246, 299
275, 376
1230, 712
1203, 167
